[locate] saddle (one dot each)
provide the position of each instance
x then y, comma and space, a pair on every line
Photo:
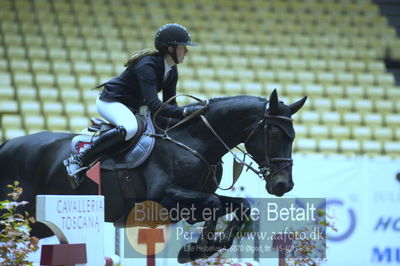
125, 156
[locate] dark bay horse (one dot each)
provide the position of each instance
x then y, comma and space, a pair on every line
171, 174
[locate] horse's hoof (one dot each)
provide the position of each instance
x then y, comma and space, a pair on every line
189, 252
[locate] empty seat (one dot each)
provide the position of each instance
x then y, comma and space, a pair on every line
6, 92
313, 90
23, 79
301, 130
393, 93
66, 81
50, 108
91, 110
392, 148
363, 105
392, 120
322, 104
48, 94
8, 106
342, 104
354, 92
61, 67
365, 79
14, 133
212, 87
258, 62
56, 123
340, 132
30, 107
232, 88
325, 77
330, 118
74, 109
90, 96
105, 69
334, 91
82, 67
299, 65
191, 86
345, 78
352, 119
384, 106
26, 93
328, 145
305, 145
361, 132
41, 66
309, 117
78, 123
372, 119
205, 73
34, 123
238, 61
293, 90
305, 77
9, 121
371, 147
70, 96
319, 131
245, 75
265, 75
44, 80
219, 61
382, 133
198, 60
186, 73
375, 92
225, 74
350, 146
253, 88
384, 79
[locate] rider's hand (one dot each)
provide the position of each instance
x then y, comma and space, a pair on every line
191, 109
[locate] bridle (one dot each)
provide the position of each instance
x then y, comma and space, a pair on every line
265, 166
264, 171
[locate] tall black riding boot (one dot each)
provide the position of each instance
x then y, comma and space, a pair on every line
76, 164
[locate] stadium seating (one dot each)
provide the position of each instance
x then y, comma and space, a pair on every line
54, 52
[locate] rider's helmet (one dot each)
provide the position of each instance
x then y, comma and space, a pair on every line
172, 34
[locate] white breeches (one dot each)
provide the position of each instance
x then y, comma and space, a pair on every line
119, 115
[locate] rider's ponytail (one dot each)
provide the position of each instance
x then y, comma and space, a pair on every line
137, 55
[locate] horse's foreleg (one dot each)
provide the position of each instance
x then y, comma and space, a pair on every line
196, 202
240, 209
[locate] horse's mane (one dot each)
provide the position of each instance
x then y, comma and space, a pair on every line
217, 104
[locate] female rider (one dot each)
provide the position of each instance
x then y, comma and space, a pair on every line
147, 73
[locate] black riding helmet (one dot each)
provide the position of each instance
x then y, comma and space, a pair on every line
172, 35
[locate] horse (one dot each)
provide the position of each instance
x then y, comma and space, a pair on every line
184, 166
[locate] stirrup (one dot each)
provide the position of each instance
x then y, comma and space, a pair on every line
76, 180
74, 176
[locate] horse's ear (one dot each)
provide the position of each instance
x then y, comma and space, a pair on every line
294, 107
273, 102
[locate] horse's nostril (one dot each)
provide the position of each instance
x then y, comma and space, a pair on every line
280, 188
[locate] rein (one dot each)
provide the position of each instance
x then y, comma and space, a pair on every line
264, 167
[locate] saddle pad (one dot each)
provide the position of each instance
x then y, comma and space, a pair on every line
133, 158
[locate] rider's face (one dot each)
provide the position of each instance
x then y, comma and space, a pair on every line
181, 51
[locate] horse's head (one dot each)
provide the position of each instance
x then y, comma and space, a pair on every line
270, 144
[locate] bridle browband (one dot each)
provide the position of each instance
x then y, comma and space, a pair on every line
264, 171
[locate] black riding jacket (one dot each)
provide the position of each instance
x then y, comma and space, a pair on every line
139, 84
